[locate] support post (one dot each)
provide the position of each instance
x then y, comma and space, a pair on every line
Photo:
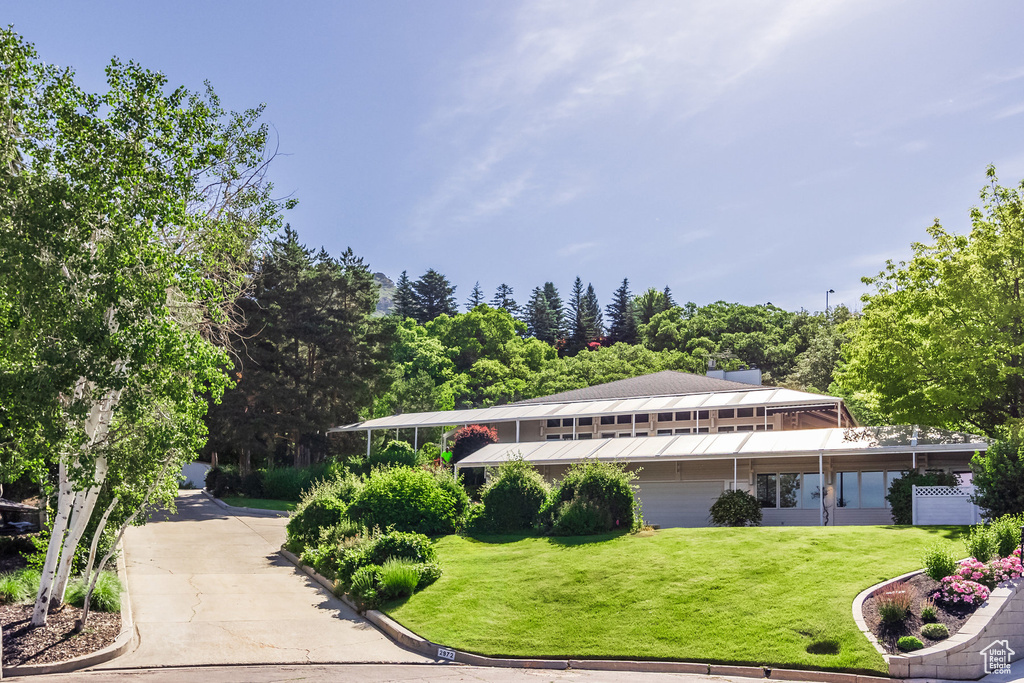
369, 441
839, 415
574, 428
415, 438
517, 431
632, 419
735, 474
821, 490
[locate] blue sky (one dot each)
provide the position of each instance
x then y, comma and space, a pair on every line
745, 151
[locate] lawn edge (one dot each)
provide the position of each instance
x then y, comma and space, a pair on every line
248, 511
125, 640
409, 640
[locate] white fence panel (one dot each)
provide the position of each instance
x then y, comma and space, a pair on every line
944, 505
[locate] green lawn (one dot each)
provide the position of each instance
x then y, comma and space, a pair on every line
259, 503
750, 595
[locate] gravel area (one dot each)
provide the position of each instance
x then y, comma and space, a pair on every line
24, 644
953, 617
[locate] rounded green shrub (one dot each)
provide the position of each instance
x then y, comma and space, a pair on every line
429, 573
251, 485
399, 544
364, 587
909, 644
900, 495
513, 498
940, 561
929, 612
311, 517
981, 543
398, 453
935, 631
407, 499
603, 497
1006, 533
736, 508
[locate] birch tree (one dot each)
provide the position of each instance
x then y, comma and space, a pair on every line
127, 223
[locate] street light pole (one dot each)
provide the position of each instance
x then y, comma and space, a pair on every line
831, 291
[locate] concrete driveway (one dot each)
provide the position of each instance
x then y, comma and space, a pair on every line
208, 587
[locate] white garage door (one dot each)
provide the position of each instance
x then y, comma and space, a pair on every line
679, 503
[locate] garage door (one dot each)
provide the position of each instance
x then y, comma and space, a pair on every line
679, 503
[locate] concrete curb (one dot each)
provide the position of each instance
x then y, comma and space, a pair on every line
124, 642
411, 641
249, 511
858, 612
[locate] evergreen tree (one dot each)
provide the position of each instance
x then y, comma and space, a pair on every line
405, 298
540, 322
621, 318
576, 318
649, 304
503, 299
556, 307
669, 301
476, 297
434, 296
592, 319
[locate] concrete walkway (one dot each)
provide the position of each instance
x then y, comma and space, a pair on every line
208, 587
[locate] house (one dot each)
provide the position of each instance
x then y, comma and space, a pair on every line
691, 437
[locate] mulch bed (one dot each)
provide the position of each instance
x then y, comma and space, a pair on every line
954, 617
55, 642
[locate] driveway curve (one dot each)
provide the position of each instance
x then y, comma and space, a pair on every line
208, 587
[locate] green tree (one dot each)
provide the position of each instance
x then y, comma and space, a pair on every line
651, 303
126, 217
405, 297
621, 317
540, 319
557, 310
941, 340
504, 299
435, 296
476, 297
999, 474
605, 364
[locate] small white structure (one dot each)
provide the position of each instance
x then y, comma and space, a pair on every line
195, 474
944, 505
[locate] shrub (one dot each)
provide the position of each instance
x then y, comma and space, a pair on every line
291, 483
311, 517
395, 453
429, 573
222, 480
210, 481
900, 494
408, 500
453, 484
894, 604
106, 596
935, 631
19, 585
363, 587
1006, 568
956, 590
940, 561
999, 475
470, 439
909, 644
981, 543
513, 498
603, 499
973, 570
398, 578
1006, 533
375, 549
929, 612
252, 485
736, 508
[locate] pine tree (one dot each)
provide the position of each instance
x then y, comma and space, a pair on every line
669, 301
405, 298
592, 319
435, 296
649, 304
476, 297
621, 318
503, 299
576, 318
557, 310
539, 321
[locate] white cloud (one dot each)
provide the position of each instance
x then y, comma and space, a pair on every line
564, 65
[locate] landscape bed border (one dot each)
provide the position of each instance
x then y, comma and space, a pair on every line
416, 643
938, 661
126, 639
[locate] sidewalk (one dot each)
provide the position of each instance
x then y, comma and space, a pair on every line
208, 587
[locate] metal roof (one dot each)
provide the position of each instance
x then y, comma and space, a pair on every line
768, 397
664, 383
832, 441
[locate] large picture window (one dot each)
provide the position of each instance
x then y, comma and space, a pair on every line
767, 490
860, 489
789, 490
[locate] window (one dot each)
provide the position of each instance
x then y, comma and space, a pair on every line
567, 422
703, 414
585, 435
554, 423
726, 413
624, 419
684, 430
585, 421
745, 428
764, 428
846, 490
766, 490
643, 419
744, 412
965, 478
789, 490
811, 492
683, 416
760, 412
554, 437
607, 419
664, 432
607, 435
641, 433
566, 437
861, 489
702, 430
664, 417
625, 435
872, 489
726, 429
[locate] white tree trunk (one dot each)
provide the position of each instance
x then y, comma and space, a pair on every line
60, 523
81, 513
96, 540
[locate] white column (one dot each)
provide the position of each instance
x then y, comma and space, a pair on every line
839, 415
735, 474
766, 418
821, 490
697, 428
369, 441
517, 431
633, 420
574, 428
415, 438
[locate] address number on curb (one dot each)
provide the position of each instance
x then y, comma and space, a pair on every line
445, 653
